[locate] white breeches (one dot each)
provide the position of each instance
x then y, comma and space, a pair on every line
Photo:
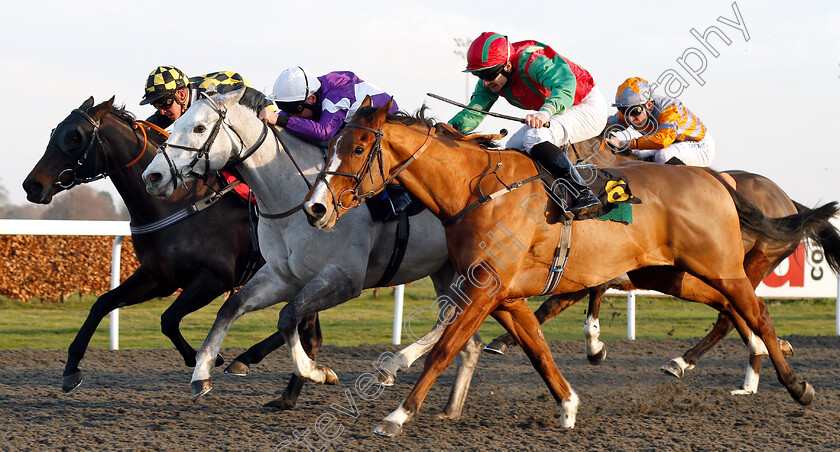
581, 122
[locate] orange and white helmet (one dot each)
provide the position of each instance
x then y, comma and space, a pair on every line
634, 91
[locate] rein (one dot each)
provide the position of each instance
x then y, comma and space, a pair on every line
204, 152
366, 170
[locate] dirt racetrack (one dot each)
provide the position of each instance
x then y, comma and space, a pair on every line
139, 400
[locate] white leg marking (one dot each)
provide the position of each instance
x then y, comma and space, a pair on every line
682, 364
570, 408
398, 416
756, 345
304, 366
592, 331
750, 383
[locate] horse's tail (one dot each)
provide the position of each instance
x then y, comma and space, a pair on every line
806, 223
828, 237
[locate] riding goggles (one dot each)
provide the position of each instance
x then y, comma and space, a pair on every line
490, 74
164, 103
292, 108
635, 110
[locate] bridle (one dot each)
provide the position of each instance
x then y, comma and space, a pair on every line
85, 170
178, 177
367, 171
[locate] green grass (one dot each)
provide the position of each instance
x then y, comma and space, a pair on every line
368, 319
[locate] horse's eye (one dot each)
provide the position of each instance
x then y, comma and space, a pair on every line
72, 139
359, 150
199, 129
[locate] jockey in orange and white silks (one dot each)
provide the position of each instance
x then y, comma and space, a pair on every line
532, 76
669, 130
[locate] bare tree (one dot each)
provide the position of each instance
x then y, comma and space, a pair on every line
82, 203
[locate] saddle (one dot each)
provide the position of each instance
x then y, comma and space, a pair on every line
609, 185
387, 206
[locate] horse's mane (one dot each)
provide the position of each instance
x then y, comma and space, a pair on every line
419, 117
121, 113
253, 98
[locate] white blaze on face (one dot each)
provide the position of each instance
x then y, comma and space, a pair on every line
321, 194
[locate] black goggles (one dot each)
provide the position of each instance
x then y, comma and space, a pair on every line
635, 110
488, 75
163, 103
292, 108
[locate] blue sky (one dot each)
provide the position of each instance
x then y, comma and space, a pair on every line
769, 102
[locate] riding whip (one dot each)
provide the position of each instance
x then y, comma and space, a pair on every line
497, 115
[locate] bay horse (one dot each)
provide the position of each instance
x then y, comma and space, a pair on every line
690, 223
312, 270
761, 258
98, 141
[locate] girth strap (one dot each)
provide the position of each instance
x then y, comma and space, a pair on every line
403, 231
555, 272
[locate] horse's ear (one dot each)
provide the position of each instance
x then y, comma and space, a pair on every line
86, 103
99, 111
382, 112
385, 109
367, 102
231, 96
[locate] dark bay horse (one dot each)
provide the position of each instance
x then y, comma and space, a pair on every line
688, 229
170, 257
762, 257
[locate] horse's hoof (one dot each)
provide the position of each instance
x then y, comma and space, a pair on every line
741, 391
496, 347
787, 349
200, 387
237, 368
71, 382
387, 428
672, 368
448, 416
807, 396
385, 378
281, 404
597, 358
330, 378
219, 360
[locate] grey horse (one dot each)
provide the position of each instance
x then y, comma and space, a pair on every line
311, 269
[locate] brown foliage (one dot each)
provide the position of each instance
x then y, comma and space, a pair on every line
53, 267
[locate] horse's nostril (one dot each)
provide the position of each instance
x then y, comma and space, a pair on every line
318, 210
154, 177
33, 188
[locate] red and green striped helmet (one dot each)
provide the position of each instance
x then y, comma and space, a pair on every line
487, 51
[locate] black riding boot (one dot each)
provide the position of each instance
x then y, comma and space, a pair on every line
558, 164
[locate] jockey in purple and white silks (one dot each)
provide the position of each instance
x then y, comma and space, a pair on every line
315, 108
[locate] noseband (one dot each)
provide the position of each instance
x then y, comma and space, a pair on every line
178, 177
367, 171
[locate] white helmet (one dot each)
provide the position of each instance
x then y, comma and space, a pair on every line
293, 85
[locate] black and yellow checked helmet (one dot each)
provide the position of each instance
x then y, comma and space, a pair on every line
164, 81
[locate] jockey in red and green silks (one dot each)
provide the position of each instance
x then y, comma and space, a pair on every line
532, 76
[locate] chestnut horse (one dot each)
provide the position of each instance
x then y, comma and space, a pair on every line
689, 221
762, 257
